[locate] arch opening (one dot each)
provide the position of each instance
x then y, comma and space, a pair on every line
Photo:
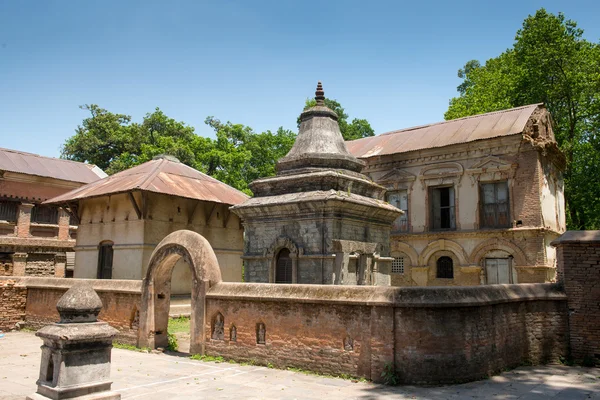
197, 253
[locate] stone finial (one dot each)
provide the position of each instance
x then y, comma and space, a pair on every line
320, 94
79, 304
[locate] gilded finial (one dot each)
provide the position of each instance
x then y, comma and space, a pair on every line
320, 94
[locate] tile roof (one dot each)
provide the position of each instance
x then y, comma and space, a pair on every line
456, 131
158, 176
33, 164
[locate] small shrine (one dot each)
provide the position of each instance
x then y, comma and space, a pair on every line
76, 351
319, 220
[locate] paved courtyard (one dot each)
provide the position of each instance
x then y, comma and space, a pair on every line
160, 376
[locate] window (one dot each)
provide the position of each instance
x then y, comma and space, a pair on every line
494, 205
399, 200
105, 260
442, 208
498, 270
8, 211
44, 214
283, 268
398, 265
445, 268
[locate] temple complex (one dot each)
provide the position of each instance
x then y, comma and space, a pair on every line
319, 220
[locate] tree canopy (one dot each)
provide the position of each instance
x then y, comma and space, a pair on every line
237, 155
549, 62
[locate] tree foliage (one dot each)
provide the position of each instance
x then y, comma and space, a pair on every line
237, 156
550, 62
356, 129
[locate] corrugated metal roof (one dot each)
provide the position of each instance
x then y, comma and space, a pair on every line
159, 176
456, 131
33, 164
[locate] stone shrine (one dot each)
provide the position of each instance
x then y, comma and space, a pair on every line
319, 220
76, 351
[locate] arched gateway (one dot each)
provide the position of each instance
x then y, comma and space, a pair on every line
156, 287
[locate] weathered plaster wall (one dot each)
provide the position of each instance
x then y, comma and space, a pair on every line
535, 200
431, 335
114, 219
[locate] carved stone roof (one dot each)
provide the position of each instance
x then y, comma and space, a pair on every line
319, 143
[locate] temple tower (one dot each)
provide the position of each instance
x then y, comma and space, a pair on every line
319, 221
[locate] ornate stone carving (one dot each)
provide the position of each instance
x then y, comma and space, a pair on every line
490, 169
233, 334
441, 174
348, 344
397, 179
281, 243
218, 327
261, 333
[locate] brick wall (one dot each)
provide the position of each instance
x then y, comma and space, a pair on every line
578, 257
12, 304
120, 300
431, 335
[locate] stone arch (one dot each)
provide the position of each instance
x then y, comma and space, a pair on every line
520, 259
440, 245
156, 287
408, 250
272, 252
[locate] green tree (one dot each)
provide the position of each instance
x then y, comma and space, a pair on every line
357, 129
241, 156
550, 62
113, 143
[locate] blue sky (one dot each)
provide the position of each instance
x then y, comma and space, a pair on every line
252, 62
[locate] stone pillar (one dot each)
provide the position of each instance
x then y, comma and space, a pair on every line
340, 267
60, 265
63, 224
76, 351
24, 220
19, 263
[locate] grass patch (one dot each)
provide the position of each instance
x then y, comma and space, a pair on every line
125, 346
179, 325
198, 357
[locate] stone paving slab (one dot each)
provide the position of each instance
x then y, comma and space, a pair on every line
161, 376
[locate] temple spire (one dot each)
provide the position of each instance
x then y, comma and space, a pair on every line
320, 94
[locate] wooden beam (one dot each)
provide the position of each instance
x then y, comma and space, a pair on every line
144, 205
192, 215
211, 212
71, 209
227, 216
135, 205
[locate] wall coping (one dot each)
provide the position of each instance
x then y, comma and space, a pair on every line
577, 237
465, 296
99, 285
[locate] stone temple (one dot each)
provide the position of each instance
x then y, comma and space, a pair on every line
319, 220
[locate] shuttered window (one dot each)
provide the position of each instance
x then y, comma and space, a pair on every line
442, 208
44, 214
399, 199
494, 205
445, 268
498, 270
105, 261
283, 269
8, 211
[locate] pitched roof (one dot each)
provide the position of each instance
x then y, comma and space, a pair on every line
456, 131
33, 164
159, 176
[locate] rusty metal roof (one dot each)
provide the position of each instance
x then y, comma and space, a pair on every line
33, 164
158, 176
456, 131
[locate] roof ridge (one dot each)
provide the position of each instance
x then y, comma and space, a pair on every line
459, 119
153, 174
47, 157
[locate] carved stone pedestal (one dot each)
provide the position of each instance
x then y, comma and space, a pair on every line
76, 351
